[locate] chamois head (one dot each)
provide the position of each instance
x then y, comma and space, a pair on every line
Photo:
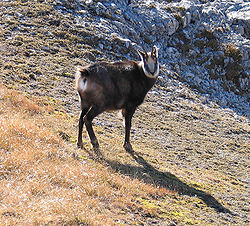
149, 62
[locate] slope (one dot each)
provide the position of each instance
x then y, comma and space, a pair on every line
191, 157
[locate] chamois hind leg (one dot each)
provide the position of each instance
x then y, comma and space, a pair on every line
128, 113
88, 123
80, 127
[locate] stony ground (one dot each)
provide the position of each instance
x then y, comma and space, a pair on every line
183, 141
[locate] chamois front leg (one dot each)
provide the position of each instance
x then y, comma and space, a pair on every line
80, 127
128, 119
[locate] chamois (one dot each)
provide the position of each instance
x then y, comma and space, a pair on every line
105, 86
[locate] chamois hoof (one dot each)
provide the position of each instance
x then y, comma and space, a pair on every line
79, 145
95, 144
96, 147
128, 147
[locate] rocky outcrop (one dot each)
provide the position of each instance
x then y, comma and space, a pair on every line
205, 42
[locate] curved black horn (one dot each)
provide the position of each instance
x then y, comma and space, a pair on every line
145, 51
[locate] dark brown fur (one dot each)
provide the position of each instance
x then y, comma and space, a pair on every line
111, 86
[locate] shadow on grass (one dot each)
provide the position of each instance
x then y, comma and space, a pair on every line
148, 174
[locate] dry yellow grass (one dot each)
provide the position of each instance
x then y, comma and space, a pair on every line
182, 141
43, 181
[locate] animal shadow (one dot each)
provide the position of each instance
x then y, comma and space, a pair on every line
148, 174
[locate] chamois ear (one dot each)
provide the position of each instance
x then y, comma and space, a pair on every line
141, 54
154, 51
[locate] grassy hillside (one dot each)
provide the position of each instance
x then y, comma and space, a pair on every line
191, 159
193, 177
45, 180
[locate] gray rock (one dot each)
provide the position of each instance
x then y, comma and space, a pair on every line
186, 19
100, 45
240, 16
195, 50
